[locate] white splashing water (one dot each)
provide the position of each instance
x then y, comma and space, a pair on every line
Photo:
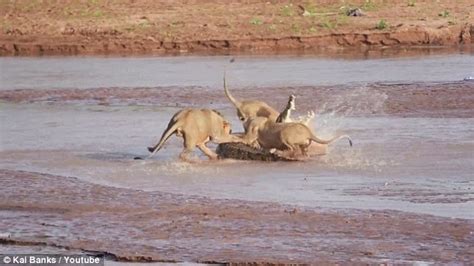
333, 118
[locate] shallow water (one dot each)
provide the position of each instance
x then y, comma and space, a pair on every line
47, 73
417, 164
377, 173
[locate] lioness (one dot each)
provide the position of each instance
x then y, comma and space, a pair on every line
292, 136
197, 127
251, 108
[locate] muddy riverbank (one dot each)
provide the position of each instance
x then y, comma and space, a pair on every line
214, 27
41, 209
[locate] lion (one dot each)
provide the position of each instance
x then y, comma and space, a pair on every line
250, 108
197, 127
293, 136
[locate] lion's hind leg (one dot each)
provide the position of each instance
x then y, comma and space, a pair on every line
291, 148
184, 155
189, 145
304, 150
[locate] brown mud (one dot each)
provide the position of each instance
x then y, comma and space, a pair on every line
132, 225
454, 99
217, 27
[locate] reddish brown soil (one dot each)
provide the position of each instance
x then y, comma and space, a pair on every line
417, 99
39, 209
216, 27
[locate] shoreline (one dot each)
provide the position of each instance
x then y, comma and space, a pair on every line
453, 38
345, 53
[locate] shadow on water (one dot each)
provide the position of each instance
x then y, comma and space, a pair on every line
114, 156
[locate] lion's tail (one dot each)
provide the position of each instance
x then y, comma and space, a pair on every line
229, 96
320, 141
173, 125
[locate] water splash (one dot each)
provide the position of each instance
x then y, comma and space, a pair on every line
333, 118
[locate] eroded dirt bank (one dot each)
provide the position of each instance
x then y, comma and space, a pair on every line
215, 27
40, 209
328, 43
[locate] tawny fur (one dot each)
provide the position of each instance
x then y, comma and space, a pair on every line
197, 127
294, 137
250, 108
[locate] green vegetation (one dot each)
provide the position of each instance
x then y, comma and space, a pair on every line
444, 14
344, 10
328, 24
309, 10
382, 24
342, 19
173, 24
97, 13
369, 5
144, 24
333, 22
28, 6
287, 10
84, 11
256, 21
295, 28
411, 3
88, 13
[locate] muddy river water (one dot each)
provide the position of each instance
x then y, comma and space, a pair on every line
89, 117
258, 71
